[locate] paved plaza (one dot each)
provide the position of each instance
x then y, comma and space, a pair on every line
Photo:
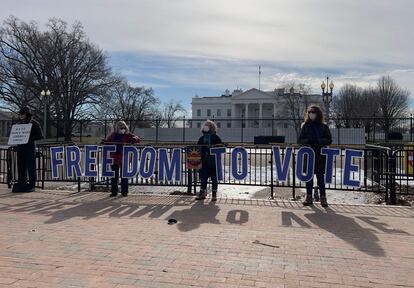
86, 239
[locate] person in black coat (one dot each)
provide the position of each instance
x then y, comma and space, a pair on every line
26, 154
208, 161
315, 133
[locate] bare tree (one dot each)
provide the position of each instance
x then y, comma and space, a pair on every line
295, 103
170, 112
352, 104
393, 102
60, 59
133, 104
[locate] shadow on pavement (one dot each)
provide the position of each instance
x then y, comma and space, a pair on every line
197, 214
189, 213
347, 229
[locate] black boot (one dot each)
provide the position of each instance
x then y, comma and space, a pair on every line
201, 195
214, 195
308, 201
324, 202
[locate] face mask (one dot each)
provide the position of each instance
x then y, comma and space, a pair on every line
122, 131
206, 128
312, 116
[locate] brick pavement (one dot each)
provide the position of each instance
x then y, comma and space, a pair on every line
62, 239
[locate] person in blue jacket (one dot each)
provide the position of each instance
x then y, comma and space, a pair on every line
316, 134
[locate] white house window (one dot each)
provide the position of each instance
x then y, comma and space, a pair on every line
228, 124
218, 112
198, 125
218, 124
228, 112
199, 112
208, 112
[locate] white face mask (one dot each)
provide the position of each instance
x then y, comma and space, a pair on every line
122, 131
312, 116
206, 128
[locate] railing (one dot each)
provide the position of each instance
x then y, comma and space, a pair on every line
382, 170
345, 131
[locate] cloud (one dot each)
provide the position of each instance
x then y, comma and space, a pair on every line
183, 47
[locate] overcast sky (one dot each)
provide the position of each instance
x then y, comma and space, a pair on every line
187, 47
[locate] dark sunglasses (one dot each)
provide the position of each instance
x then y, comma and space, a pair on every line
311, 112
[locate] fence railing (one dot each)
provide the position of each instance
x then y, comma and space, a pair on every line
345, 131
382, 170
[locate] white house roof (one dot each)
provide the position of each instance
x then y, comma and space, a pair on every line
253, 93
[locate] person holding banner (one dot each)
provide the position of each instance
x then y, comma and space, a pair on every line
208, 161
120, 137
26, 154
316, 134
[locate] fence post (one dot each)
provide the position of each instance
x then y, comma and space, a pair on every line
43, 167
189, 180
339, 136
156, 131
374, 129
184, 130
241, 134
105, 128
81, 131
57, 130
195, 181
271, 174
411, 127
392, 171
293, 176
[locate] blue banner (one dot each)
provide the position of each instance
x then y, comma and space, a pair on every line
167, 163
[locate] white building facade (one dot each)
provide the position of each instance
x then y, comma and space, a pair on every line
251, 109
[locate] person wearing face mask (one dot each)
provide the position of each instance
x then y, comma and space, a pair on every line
26, 154
316, 134
208, 161
120, 137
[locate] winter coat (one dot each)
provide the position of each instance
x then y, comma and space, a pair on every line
316, 135
208, 161
120, 140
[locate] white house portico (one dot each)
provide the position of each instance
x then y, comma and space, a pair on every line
255, 107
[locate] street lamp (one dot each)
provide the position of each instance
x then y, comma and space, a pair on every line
45, 94
327, 96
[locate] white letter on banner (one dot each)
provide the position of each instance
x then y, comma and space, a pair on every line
282, 169
107, 160
330, 157
54, 161
73, 161
169, 167
90, 161
349, 167
149, 155
234, 167
310, 164
126, 171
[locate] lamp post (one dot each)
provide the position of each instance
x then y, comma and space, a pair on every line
327, 96
45, 94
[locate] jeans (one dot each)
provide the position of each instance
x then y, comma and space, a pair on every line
114, 181
208, 173
321, 185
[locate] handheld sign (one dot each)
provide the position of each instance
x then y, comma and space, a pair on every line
20, 134
193, 158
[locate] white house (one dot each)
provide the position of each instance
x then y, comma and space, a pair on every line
260, 107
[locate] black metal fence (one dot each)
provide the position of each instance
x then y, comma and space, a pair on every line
184, 130
382, 170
